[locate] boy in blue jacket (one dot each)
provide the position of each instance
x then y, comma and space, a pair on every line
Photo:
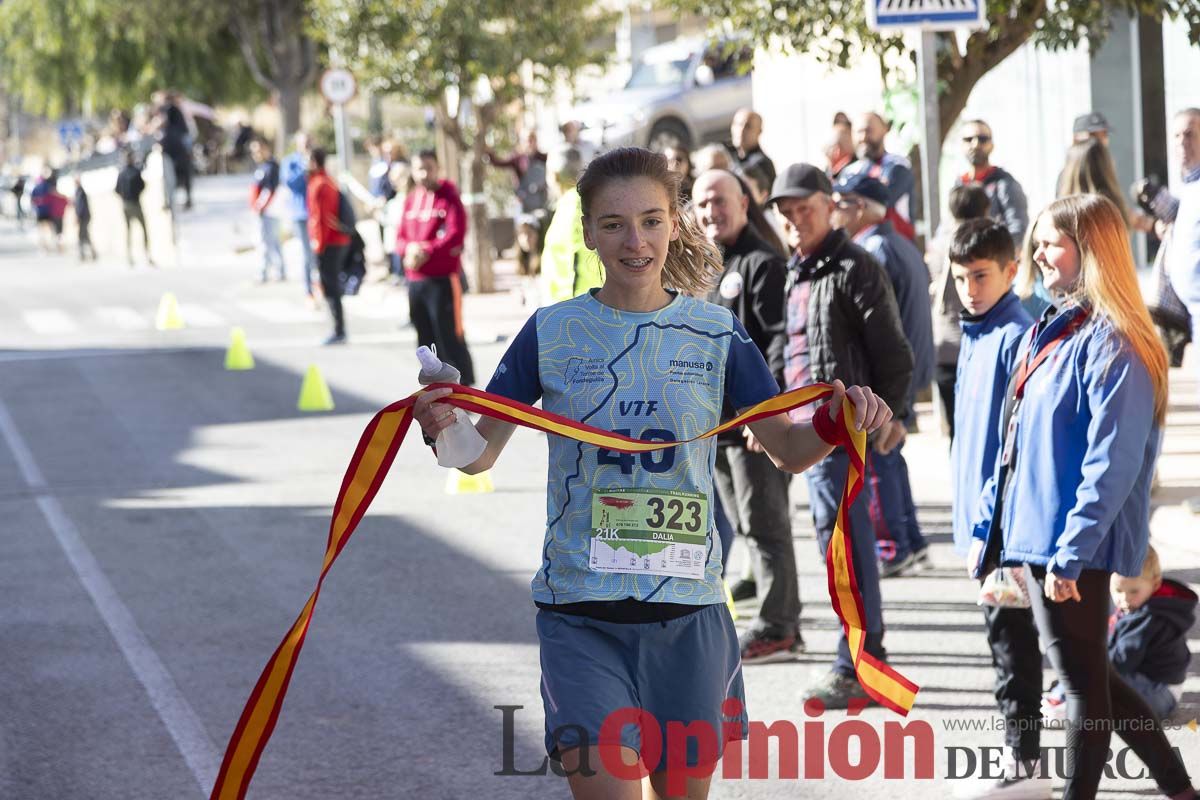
983, 265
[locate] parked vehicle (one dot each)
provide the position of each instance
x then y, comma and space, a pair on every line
681, 93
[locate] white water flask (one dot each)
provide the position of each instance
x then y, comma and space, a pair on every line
460, 444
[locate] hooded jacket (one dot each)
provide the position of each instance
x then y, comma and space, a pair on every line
1152, 640
1077, 495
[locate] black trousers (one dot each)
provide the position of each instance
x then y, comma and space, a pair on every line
1099, 702
946, 376
754, 493
435, 308
1013, 638
329, 265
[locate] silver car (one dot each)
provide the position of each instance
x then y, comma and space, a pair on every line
682, 93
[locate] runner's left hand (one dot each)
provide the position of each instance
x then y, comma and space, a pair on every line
869, 411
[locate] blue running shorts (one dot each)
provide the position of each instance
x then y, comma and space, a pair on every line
681, 670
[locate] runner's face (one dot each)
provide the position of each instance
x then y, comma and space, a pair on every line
1056, 255
630, 226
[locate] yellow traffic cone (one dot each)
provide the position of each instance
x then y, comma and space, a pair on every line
238, 357
314, 393
168, 318
461, 483
729, 600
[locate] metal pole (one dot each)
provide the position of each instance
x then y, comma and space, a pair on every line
931, 127
341, 138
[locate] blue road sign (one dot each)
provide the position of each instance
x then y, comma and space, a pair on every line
884, 15
70, 132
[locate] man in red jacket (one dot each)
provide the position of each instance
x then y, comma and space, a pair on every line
330, 242
429, 242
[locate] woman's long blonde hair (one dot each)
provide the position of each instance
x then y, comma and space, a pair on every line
1107, 280
693, 262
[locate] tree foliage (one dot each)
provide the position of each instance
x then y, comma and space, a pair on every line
421, 48
69, 56
835, 31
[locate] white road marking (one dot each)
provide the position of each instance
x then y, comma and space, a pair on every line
123, 317
178, 716
52, 321
200, 317
283, 311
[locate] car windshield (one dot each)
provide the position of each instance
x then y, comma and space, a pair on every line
653, 74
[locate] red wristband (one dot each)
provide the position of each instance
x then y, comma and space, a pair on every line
824, 426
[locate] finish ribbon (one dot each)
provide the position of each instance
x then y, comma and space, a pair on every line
373, 458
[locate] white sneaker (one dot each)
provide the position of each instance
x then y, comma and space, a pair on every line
1021, 781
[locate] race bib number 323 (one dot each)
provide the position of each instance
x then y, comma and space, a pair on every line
653, 532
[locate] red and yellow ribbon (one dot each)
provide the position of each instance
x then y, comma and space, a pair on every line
373, 457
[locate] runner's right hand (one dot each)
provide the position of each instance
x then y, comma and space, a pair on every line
432, 416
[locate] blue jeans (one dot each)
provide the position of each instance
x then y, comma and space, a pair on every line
1157, 695
310, 261
825, 481
272, 254
892, 510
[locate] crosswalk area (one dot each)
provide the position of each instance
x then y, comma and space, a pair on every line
99, 320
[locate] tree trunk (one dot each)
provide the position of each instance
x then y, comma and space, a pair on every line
289, 112
479, 232
985, 49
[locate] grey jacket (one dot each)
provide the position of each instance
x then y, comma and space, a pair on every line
1009, 205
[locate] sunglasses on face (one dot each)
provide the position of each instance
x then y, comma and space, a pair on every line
982, 138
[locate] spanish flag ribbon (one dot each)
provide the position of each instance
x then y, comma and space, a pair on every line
373, 457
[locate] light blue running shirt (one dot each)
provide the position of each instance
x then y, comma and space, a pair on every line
632, 526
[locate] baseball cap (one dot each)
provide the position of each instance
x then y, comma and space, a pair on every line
800, 180
865, 186
1091, 122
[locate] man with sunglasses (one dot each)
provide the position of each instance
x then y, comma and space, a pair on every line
1009, 206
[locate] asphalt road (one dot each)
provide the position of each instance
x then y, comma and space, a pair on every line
162, 522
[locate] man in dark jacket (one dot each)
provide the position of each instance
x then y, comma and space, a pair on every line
83, 218
130, 186
1009, 206
862, 213
752, 490
842, 322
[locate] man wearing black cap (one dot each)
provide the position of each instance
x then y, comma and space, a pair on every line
861, 210
842, 322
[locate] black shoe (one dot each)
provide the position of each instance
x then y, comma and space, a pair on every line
744, 589
336, 338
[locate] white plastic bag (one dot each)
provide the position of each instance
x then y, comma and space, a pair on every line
1005, 588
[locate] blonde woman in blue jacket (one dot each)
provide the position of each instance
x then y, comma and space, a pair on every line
1071, 495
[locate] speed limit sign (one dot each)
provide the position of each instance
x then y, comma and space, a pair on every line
338, 86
